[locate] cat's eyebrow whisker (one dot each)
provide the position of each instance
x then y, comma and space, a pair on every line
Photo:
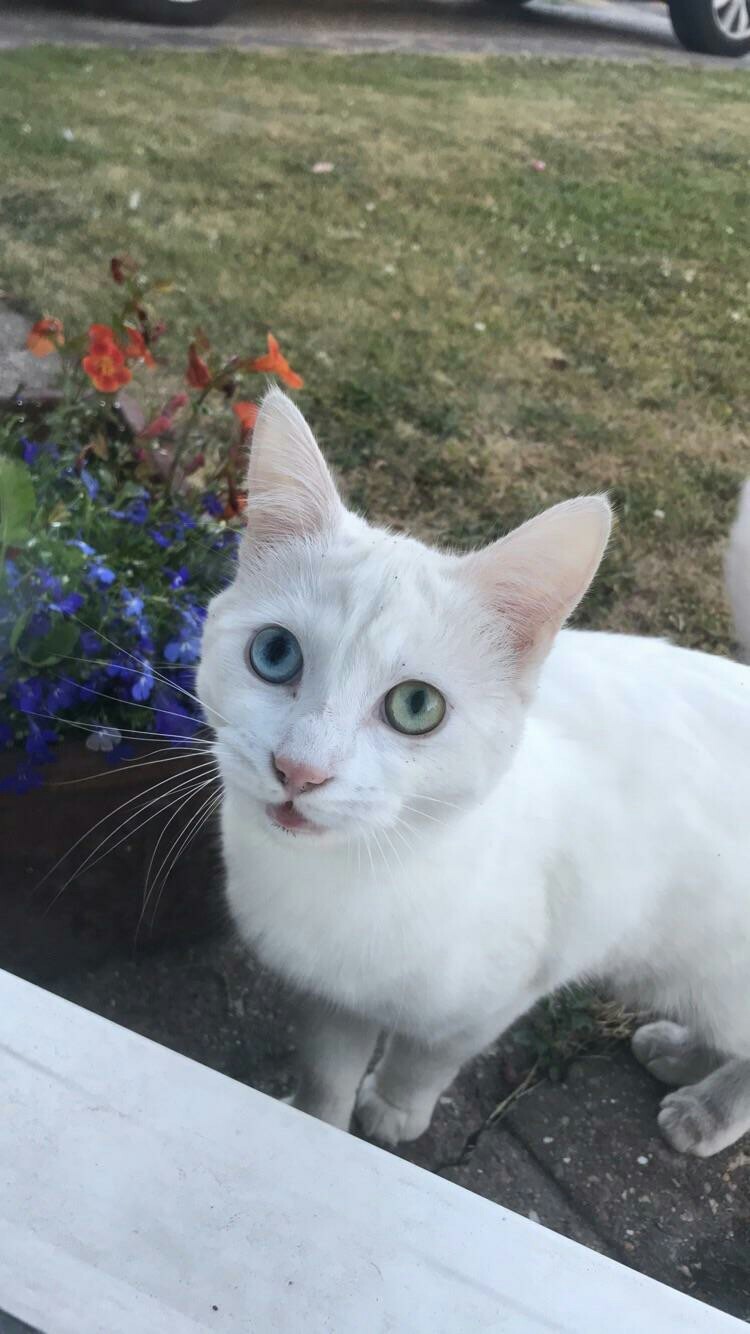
93, 860
159, 675
111, 814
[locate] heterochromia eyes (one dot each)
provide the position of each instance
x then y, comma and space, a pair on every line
414, 707
275, 655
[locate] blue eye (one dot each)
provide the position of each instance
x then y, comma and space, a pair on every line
275, 655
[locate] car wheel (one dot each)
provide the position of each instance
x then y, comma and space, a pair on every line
184, 12
714, 27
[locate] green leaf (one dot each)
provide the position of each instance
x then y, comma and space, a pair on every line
17, 501
59, 643
18, 629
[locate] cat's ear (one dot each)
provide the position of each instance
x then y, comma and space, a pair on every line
290, 491
534, 578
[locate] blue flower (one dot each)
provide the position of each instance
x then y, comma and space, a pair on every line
160, 538
178, 579
171, 715
101, 574
30, 450
12, 574
212, 505
69, 604
61, 696
39, 625
91, 643
23, 780
136, 511
49, 582
182, 523
90, 483
82, 546
132, 605
27, 695
120, 668
38, 744
144, 684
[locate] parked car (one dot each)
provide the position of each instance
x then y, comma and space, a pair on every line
714, 27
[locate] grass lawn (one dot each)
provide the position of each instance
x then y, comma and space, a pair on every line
479, 337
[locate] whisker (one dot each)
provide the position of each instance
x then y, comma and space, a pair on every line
423, 814
128, 733
148, 886
420, 796
89, 864
199, 822
110, 815
129, 765
117, 699
164, 679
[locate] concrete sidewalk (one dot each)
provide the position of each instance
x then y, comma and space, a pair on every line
583, 1156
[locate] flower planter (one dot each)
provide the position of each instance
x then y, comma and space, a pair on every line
47, 930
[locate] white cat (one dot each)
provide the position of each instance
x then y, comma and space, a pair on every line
438, 808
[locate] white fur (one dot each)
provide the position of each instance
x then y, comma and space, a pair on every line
580, 816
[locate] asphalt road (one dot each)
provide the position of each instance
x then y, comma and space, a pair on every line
598, 30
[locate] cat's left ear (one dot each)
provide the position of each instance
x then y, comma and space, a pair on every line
534, 578
290, 491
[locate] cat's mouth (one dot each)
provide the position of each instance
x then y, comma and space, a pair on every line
286, 816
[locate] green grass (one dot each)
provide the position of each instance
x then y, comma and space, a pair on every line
628, 255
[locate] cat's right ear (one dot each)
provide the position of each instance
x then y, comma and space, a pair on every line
290, 491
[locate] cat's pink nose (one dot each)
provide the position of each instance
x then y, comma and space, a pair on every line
297, 777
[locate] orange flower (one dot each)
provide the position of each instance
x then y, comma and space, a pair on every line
102, 339
105, 367
277, 364
247, 415
163, 424
136, 348
197, 374
45, 336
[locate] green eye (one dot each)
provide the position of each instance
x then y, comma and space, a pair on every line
414, 707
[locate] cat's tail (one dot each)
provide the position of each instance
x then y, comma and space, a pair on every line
738, 573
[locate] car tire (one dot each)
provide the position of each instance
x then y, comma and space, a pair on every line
713, 27
182, 12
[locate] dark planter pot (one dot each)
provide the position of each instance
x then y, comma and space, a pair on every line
47, 929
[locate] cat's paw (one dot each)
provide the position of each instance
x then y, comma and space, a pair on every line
382, 1121
691, 1125
663, 1047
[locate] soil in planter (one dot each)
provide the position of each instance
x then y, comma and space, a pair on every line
48, 929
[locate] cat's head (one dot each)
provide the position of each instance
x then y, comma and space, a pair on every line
360, 681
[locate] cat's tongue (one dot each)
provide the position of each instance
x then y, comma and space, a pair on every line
287, 817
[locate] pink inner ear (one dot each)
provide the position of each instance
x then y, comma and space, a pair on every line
291, 493
535, 577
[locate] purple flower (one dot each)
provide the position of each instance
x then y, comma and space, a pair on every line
69, 604
49, 582
144, 684
30, 450
212, 505
160, 538
171, 715
101, 574
27, 695
23, 780
90, 483
82, 546
182, 523
132, 605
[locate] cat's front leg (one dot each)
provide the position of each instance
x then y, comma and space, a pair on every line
396, 1101
335, 1047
